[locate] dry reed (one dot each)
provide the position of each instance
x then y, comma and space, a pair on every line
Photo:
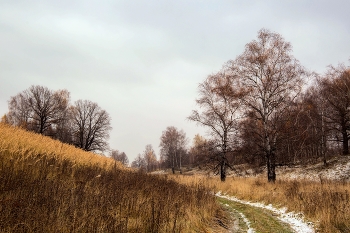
47, 186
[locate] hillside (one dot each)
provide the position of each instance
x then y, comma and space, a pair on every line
337, 169
47, 186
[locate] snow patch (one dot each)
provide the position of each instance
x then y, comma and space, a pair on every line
250, 229
338, 169
246, 221
295, 220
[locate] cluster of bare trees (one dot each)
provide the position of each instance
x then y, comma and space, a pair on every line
256, 111
173, 152
147, 161
39, 109
119, 156
334, 89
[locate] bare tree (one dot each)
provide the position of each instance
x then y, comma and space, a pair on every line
308, 132
64, 128
139, 162
119, 156
5, 120
173, 143
272, 78
196, 153
150, 158
19, 111
91, 126
39, 109
335, 91
219, 101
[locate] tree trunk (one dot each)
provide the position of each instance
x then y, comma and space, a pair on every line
345, 143
223, 158
41, 128
269, 145
173, 165
223, 171
180, 162
323, 140
271, 167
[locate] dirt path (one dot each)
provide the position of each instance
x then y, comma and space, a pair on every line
256, 217
239, 223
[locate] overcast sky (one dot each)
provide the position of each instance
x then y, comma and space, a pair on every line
142, 61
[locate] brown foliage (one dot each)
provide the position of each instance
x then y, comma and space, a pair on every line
219, 102
335, 89
271, 79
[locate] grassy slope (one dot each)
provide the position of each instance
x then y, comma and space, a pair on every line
47, 186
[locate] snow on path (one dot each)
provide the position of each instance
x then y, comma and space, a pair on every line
250, 229
295, 220
247, 222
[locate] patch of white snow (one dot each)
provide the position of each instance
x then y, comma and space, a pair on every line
338, 169
246, 221
250, 229
295, 220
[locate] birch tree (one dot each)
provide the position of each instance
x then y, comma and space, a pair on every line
219, 102
119, 156
150, 158
172, 143
272, 78
335, 91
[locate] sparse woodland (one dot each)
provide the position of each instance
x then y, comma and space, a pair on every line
265, 109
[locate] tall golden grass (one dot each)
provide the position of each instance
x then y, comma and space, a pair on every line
16, 142
327, 204
47, 186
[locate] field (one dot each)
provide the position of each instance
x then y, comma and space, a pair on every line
47, 186
326, 203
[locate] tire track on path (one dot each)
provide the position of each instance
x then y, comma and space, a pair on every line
265, 217
238, 218
250, 229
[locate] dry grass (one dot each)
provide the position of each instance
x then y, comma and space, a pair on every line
21, 144
47, 186
326, 203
